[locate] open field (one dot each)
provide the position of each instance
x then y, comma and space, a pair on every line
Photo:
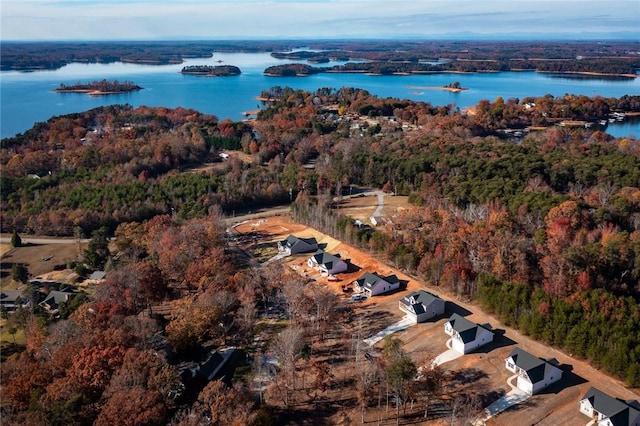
362, 207
556, 405
41, 258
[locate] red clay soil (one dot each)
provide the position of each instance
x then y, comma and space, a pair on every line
556, 406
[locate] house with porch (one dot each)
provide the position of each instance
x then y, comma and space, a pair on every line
372, 284
293, 245
467, 336
534, 374
605, 410
327, 263
421, 306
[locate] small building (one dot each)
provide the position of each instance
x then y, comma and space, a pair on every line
373, 284
534, 374
421, 305
606, 410
97, 277
466, 335
10, 299
327, 263
293, 245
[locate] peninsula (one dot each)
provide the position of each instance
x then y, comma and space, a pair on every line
99, 88
212, 71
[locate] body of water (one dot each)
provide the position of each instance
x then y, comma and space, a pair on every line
28, 97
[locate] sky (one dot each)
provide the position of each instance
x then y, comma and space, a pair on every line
309, 19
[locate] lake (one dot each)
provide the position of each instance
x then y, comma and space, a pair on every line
28, 97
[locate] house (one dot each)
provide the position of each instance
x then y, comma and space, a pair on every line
327, 263
374, 284
422, 305
10, 299
51, 303
534, 374
609, 411
293, 245
466, 335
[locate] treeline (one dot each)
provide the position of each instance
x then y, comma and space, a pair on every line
290, 70
603, 57
217, 70
613, 67
100, 86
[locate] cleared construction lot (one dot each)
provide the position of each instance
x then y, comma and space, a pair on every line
556, 405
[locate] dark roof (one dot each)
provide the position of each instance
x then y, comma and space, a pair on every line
324, 258
370, 280
619, 412
55, 297
10, 296
420, 298
292, 240
467, 330
535, 367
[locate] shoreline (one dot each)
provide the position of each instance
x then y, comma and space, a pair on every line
94, 92
445, 88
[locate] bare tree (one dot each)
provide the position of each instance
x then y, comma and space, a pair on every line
293, 292
287, 348
325, 303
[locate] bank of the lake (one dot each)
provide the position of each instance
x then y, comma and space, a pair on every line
27, 98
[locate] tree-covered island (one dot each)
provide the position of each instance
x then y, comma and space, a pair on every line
99, 88
209, 70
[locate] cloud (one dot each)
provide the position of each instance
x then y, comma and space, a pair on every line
145, 19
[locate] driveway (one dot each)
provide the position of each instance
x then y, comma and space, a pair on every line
513, 397
403, 324
446, 356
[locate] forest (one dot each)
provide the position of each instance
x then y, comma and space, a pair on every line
543, 231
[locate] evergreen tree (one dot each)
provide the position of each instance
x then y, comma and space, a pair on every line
16, 241
19, 272
97, 253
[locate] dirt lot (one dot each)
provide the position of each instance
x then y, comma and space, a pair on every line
556, 405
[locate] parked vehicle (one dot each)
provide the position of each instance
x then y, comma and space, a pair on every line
358, 297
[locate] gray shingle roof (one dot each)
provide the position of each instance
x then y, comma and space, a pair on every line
619, 412
370, 280
419, 300
535, 367
324, 258
467, 330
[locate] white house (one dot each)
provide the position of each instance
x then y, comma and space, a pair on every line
609, 411
466, 335
327, 263
293, 245
422, 305
374, 284
534, 374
